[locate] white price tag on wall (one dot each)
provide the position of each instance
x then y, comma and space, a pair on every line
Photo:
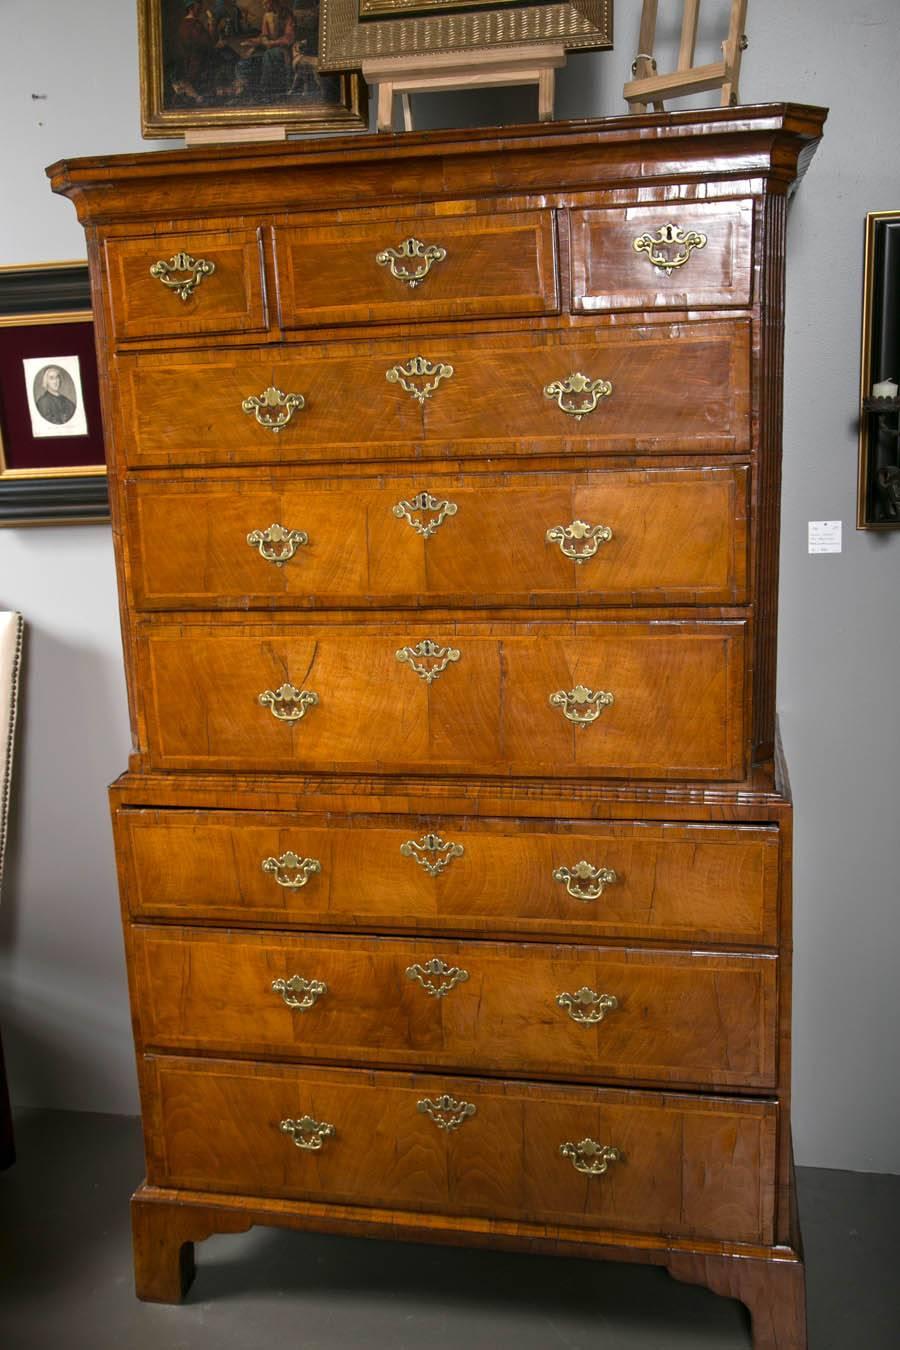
824, 536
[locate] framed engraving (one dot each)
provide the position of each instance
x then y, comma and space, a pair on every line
224, 63
55, 397
52, 466
354, 31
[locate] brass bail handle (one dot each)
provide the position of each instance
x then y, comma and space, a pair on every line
273, 408
307, 1133
277, 544
591, 1158
183, 273
584, 881
423, 256
670, 248
578, 394
581, 705
288, 703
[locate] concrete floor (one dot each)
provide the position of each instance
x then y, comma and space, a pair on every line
65, 1274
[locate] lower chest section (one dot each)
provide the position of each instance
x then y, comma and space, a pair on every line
538, 1019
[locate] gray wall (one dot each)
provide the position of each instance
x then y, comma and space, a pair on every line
62, 991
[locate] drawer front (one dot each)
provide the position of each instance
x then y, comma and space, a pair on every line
699, 883
662, 389
445, 267
206, 282
452, 698
682, 255
620, 538
686, 1166
566, 1012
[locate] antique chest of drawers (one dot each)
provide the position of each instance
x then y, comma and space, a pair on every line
454, 853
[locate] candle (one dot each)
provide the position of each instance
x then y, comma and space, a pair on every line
885, 389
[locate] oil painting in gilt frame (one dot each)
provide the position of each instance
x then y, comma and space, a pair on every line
52, 466
355, 31
240, 63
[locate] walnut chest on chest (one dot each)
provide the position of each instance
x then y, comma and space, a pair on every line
454, 859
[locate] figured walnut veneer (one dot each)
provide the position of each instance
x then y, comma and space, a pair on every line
416, 963
679, 536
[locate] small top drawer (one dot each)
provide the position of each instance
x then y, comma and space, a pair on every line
444, 267
186, 284
666, 256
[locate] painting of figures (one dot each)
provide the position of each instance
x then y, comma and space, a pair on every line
240, 62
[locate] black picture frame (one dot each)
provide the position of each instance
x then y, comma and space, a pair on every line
878, 495
53, 479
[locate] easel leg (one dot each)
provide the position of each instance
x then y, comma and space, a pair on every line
385, 113
732, 47
546, 86
773, 1291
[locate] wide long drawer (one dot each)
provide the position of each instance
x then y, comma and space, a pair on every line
594, 1014
278, 540
696, 883
656, 389
626, 1161
657, 699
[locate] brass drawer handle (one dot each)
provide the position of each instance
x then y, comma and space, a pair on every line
597, 879
428, 651
589, 1157
586, 1006
288, 703
410, 250
442, 853
581, 705
576, 383
291, 871
424, 501
277, 544
579, 541
446, 1112
450, 976
667, 237
273, 408
416, 367
308, 1133
299, 993
184, 287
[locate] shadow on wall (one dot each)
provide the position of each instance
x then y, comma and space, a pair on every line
63, 1016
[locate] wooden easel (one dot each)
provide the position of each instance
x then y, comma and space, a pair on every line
650, 87
405, 75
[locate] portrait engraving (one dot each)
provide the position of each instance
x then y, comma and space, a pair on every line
55, 398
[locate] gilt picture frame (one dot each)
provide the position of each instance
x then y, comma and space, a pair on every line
232, 64
52, 462
356, 31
